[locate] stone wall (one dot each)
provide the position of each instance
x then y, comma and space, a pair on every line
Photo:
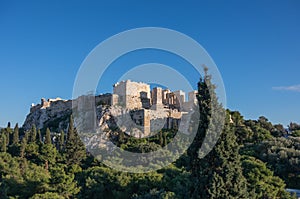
129, 93
107, 99
180, 95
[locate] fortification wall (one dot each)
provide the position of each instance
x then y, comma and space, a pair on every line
130, 93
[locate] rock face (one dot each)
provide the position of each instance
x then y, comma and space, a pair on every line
53, 113
139, 122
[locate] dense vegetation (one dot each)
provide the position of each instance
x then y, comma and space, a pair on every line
252, 159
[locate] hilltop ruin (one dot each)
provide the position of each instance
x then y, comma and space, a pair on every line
150, 110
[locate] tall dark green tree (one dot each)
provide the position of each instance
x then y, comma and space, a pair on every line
48, 137
23, 145
61, 140
161, 139
219, 173
8, 132
165, 139
14, 147
39, 137
32, 136
226, 164
3, 142
75, 149
15, 140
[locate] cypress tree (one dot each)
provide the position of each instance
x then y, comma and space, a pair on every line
39, 137
75, 149
219, 173
227, 166
32, 137
161, 140
3, 142
48, 137
14, 148
16, 135
62, 140
23, 145
165, 139
8, 132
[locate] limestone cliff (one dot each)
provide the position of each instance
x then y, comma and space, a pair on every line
53, 113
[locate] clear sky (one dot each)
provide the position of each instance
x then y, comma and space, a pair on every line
255, 44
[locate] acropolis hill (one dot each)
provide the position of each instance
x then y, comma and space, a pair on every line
145, 107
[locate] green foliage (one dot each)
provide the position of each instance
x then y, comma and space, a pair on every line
75, 149
15, 140
63, 183
219, 173
294, 126
32, 152
61, 144
161, 139
261, 180
22, 178
101, 182
48, 136
296, 133
3, 142
259, 132
39, 138
280, 154
48, 153
32, 136
278, 130
31, 168
47, 195
3, 189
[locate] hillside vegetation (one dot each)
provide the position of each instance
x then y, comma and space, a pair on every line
252, 159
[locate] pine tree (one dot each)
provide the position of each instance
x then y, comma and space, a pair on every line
48, 136
75, 149
219, 173
63, 183
15, 140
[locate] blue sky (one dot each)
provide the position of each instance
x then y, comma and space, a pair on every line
255, 44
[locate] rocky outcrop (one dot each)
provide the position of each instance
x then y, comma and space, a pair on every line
51, 113
55, 114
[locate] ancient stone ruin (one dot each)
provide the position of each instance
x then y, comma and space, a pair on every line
137, 109
152, 109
